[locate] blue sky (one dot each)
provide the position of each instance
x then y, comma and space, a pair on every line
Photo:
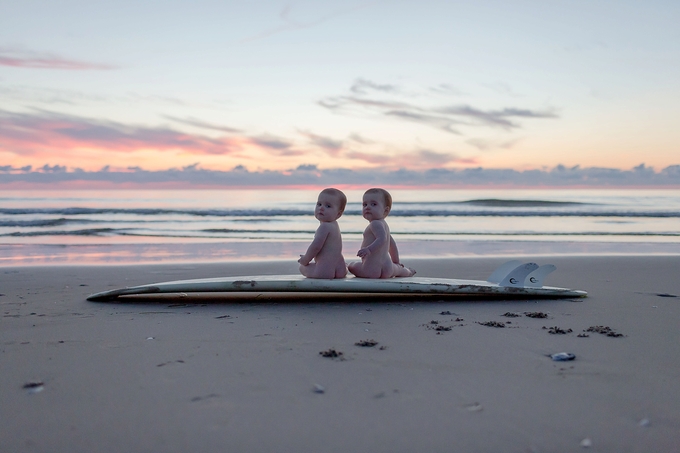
362, 85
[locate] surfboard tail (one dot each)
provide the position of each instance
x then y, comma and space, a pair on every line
516, 274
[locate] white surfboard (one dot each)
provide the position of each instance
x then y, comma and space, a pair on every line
521, 281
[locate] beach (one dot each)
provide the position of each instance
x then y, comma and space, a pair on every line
182, 374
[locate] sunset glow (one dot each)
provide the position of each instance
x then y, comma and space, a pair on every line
284, 86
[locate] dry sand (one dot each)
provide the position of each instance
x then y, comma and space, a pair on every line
247, 375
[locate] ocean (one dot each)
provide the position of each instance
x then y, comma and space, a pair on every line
156, 226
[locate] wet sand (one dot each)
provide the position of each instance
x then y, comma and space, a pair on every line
207, 375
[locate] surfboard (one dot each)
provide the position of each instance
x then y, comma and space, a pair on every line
510, 281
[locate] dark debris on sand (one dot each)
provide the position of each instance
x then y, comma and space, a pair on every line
557, 330
535, 314
366, 343
604, 330
509, 314
439, 328
332, 354
492, 324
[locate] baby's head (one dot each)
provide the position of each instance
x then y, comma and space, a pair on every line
330, 205
382, 197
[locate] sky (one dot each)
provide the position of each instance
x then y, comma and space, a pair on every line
141, 90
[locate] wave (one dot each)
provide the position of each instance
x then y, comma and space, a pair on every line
257, 233
86, 232
265, 214
230, 230
158, 211
43, 222
502, 203
531, 213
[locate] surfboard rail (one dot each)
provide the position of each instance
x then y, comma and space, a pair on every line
524, 280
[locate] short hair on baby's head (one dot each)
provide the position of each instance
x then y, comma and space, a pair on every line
339, 194
385, 194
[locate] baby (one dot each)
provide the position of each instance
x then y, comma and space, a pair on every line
326, 248
379, 254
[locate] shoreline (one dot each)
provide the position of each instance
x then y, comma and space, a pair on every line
248, 375
215, 252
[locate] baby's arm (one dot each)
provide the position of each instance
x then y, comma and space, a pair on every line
394, 252
316, 245
380, 233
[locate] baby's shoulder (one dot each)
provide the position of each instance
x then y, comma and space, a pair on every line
378, 225
329, 226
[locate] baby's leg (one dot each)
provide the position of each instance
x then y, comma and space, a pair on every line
399, 270
308, 270
360, 270
341, 269
355, 268
316, 270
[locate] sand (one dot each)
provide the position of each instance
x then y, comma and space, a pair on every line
173, 376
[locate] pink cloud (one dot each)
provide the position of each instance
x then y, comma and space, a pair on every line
31, 134
32, 60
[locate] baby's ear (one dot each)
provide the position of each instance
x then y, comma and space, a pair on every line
387, 210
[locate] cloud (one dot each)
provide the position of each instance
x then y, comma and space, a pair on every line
43, 95
331, 146
438, 121
363, 86
276, 146
359, 139
31, 133
269, 141
501, 88
35, 60
307, 167
202, 124
31, 95
194, 176
40, 131
493, 118
485, 144
53, 169
347, 102
445, 88
24, 169
413, 160
448, 118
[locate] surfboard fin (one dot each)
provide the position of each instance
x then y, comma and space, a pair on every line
518, 275
502, 271
535, 279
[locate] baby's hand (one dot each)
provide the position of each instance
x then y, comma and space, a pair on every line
301, 261
363, 252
